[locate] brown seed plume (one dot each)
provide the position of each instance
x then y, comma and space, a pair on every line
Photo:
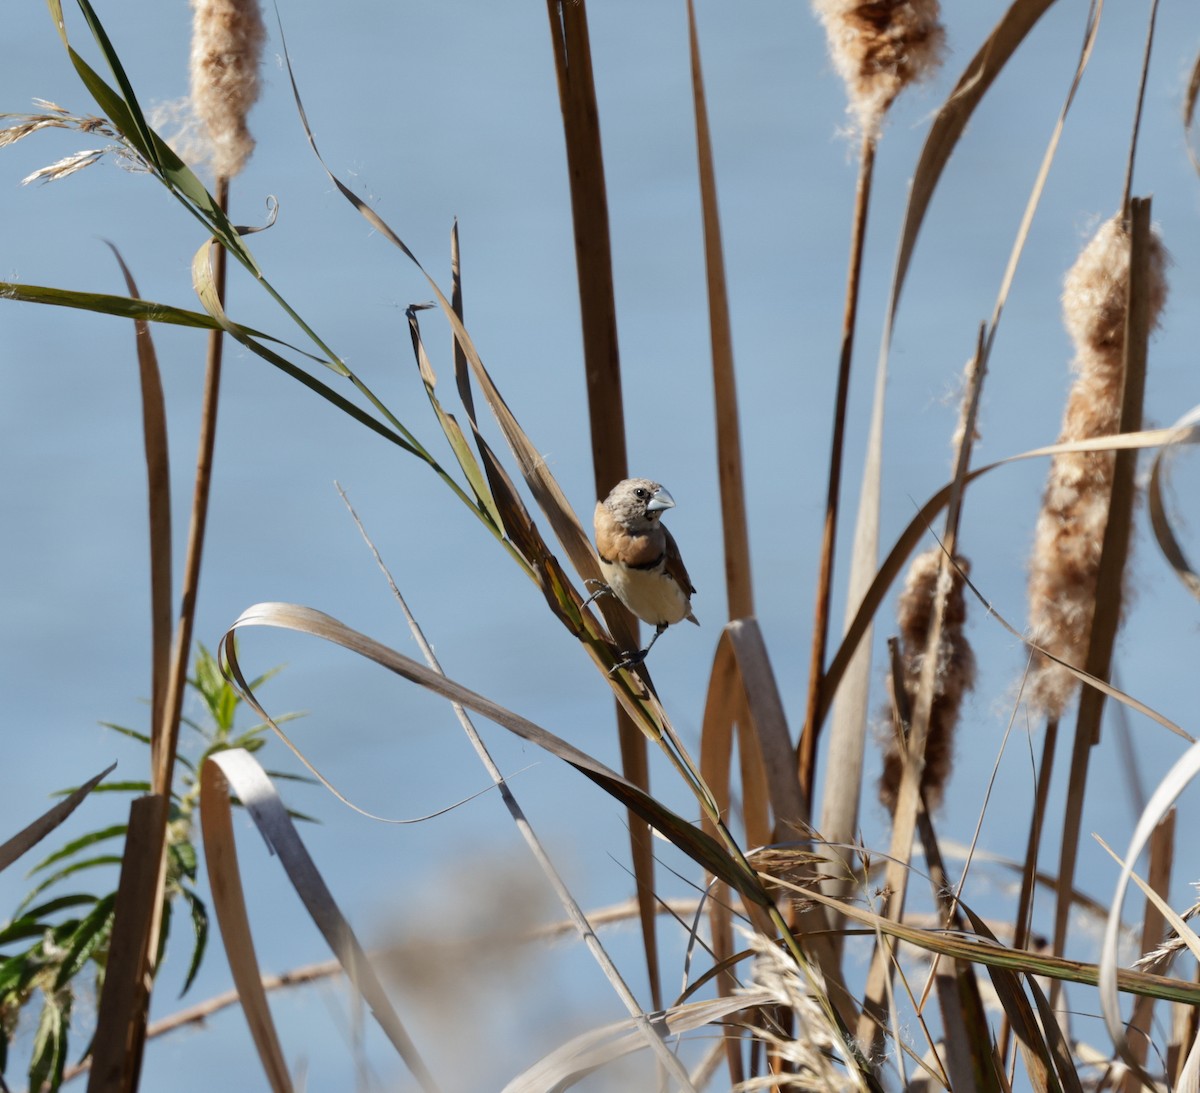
227, 42
955, 672
1070, 528
879, 48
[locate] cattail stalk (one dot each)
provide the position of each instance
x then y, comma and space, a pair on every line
878, 48
1070, 530
227, 41
954, 676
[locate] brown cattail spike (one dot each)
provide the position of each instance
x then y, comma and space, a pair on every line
955, 671
879, 48
227, 41
1070, 527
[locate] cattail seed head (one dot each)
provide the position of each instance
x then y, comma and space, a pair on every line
954, 677
879, 48
1069, 536
227, 42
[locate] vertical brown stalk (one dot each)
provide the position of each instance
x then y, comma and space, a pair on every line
227, 42
739, 588
1134, 291
820, 640
167, 739
878, 47
602, 370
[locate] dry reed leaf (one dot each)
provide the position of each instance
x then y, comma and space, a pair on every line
550, 499
919, 526
593, 248
28, 837
158, 473
1043, 1047
1189, 109
1141, 1020
1035, 195
240, 771
576, 918
1162, 800
1159, 519
124, 999
952, 119
982, 951
305, 620
1060, 1050
229, 902
569, 1063
738, 584
542, 483
724, 711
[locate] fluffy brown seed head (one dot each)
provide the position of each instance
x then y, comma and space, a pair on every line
227, 41
1070, 530
879, 48
955, 671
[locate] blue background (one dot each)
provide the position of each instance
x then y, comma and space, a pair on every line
433, 111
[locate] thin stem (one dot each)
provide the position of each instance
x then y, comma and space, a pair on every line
1024, 915
166, 740
166, 732
816, 670
1137, 114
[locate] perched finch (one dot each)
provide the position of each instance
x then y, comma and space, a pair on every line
640, 559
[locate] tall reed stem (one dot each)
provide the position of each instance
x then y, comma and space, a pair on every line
808, 736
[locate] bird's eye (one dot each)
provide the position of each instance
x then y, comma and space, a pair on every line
640, 493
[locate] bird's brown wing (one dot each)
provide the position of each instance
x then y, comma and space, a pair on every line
674, 564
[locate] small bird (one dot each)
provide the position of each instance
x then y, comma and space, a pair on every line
640, 559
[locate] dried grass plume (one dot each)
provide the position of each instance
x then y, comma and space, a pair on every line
1070, 530
879, 48
227, 42
955, 672
814, 1044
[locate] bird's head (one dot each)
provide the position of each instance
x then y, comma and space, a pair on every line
638, 503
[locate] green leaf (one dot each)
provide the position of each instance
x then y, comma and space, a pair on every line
109, 787
164, 931
250, 741
73, 847
102, 303
32, 923
92, 932
288, 776
22, 928
139, 736
183, 857
74, 867
450, 427
50, 1044
200, 927
16, 973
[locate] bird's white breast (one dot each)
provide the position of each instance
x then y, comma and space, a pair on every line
650, 594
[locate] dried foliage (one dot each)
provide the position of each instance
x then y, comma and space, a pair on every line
879, 48
227, 42
955, 671
808, 1052
54, 116
1070, 527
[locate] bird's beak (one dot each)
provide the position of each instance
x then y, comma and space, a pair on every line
661, 500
